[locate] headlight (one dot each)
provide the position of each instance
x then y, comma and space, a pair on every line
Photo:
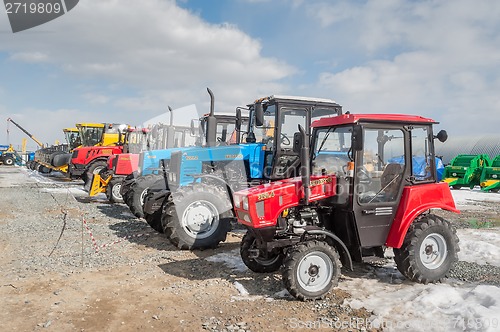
245, 203
172, 177
494, 176
237, 201
259, 207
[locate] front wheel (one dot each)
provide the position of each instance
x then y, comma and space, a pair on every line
94, 168
429, 251
197, 217
8, 161
311, 269
138, 191
265, 262
113, 191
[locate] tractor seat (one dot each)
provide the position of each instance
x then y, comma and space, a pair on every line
391, 179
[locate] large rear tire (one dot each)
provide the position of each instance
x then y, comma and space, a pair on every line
266, 262
311, 269
94, 168
429, 251
154, 220
196, 217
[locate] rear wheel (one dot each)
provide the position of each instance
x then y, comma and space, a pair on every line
429, 250
196, 217
311, 269
265, 262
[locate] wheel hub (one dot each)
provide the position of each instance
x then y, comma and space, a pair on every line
116, 191
315, 271
200, 219
433, 251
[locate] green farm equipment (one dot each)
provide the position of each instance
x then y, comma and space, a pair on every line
490, 177
465, 170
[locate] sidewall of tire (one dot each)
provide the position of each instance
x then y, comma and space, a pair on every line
179, 236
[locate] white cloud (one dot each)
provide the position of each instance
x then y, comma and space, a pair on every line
96, 98
30, 57
148, 44
165, 54
438, 59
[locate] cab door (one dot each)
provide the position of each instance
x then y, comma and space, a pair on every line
379, 177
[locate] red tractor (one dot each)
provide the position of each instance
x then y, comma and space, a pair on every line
368, 181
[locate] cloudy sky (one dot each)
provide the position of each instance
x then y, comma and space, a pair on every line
126, 60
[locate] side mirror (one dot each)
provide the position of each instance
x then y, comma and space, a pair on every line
357, 138
192, 129
297, 142
259, 114
442, 136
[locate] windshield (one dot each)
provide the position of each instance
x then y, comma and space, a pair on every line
73, 139
331, 149
91, 135
290, 117
136, 141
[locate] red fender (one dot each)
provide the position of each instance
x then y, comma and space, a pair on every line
415, 200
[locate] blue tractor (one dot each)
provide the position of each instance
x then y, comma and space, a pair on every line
193, 204
217, 127
9, 156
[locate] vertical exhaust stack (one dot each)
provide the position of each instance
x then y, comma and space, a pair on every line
171, 115
170, 129
305, 167
211, 122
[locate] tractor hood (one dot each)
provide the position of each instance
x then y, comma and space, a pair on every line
261, 206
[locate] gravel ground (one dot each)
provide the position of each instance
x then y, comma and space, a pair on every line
55, 277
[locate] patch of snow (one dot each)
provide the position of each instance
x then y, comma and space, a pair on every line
63, 190
282, 294
400, 305
244, 294
241, 288
231, 259
481, 246
471, 199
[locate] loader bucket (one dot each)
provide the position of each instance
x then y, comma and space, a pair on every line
465, 170
490, 177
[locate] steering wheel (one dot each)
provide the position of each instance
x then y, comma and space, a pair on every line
285, 140
363, 175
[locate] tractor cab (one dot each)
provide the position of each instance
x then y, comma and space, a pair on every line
367, 182
101, 134
374, 158
72, 136
276, 122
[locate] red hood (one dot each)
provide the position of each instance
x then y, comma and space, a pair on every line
266, 202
